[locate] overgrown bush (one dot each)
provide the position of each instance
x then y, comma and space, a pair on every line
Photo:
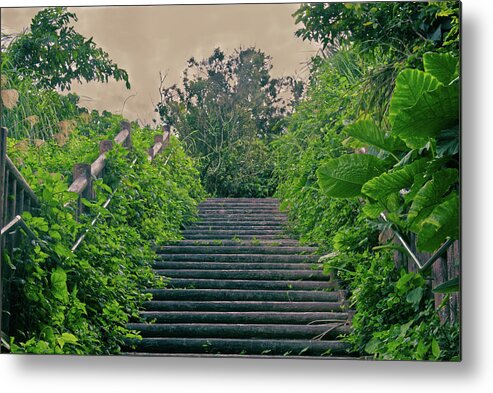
66, 302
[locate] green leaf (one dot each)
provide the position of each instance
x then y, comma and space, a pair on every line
368, 132
343, 177
373, 345
435, 349
380, 187
448, 286
443, 66
434, 111
430, 195
69, 338
414, 296
59, 284
443, 222
372, 210
410, 86
61, 250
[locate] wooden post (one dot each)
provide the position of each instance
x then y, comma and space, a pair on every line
126, 126
105, 146
3, 157
83, 171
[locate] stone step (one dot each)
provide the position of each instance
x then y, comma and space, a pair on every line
244, 207
308, 332
229, 236
241, 346
230, 266
239, 306
225, 212
275, 275
236, 200
196, 283
240, 205
245, 295
221, 249
256, 317
277, 217
227, 242
256, 215
214, 228
235, 232
227, 224
296, 258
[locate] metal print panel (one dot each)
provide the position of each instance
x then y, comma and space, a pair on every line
264, 180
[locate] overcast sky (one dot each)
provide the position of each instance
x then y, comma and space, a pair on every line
145, 40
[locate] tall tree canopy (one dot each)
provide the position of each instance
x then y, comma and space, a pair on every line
227, 110
53, 54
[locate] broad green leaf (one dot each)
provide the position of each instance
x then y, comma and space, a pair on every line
443, 222
448, 142
372, 210
434, 111
450, 286
387, 183
69, 338
59, 284
410, 85
430, 195
62, 251
414, 296
435, 349
373, 345
443, 66
343, 177
368, 132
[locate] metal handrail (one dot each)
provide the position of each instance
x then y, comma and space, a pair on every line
422, 267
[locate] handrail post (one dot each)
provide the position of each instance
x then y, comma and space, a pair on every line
127, 126
84, 171
166, 135
105, 146
3, 157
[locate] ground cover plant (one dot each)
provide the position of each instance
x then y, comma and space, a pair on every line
378, 132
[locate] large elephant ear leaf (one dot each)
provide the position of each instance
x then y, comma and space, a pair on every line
435, 111
430, 195
368, 132
343, 177
443, 222
443, 66
410, 86
379, 188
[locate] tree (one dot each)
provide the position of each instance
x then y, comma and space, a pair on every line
400, 28
53, 54
227, 106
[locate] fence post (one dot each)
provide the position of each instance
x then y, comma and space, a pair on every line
83, 170
105, 146
126, 126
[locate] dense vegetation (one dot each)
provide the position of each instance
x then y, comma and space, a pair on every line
379, 124
79, 302
374, 131
227, 112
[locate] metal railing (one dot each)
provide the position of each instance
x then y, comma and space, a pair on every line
422, 267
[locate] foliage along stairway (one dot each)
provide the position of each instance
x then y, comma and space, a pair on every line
238, 285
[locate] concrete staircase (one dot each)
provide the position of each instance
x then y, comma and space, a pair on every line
239, 285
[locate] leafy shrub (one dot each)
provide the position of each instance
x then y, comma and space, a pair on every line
79, 302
